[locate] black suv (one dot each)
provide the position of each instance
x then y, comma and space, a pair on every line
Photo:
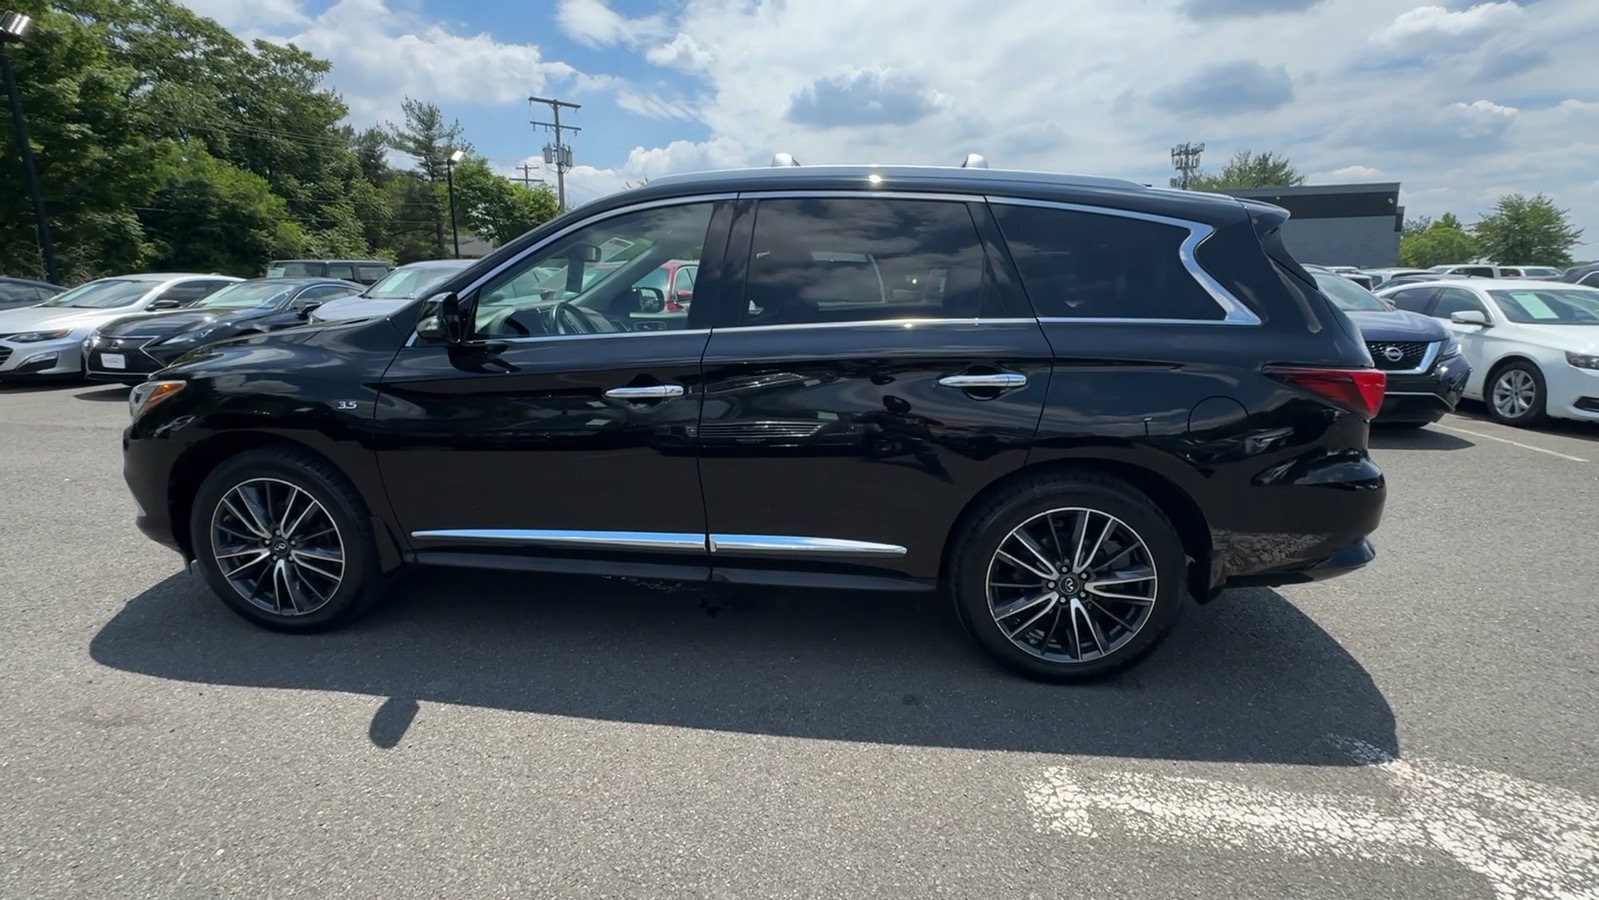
1067, 402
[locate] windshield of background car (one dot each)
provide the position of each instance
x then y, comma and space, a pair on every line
1348, 296
107, 293
408, 284
1549, 307
245, 295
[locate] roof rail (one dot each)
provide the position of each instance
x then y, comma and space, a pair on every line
783, 160
974, 161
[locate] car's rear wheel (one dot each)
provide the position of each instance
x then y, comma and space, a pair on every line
1516, 394
1068, 576
285, 541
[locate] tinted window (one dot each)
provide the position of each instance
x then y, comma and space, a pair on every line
189, 291
341, 270
369, 274
583, 284
1348, 296
1413, 299
1591, 279
326, 292
857, 260
293, 268
1454, 300
1089, 265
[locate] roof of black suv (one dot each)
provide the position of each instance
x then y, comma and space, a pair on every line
1088, 189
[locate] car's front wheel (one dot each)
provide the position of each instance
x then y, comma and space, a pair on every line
285, 541
1516, 394
1068, 576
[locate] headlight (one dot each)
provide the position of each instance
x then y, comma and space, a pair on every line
189, 337
1583, 360
34, 337
1451, 348
93, 339
149, 393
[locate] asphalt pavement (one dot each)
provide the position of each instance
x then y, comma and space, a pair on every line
1425, 728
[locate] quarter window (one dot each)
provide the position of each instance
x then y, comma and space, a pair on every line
1413, 299
830, 260
588, 282
1100, 266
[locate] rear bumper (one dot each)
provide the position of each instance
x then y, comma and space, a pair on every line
1341, 561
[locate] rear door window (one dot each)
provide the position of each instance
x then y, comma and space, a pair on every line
1453, 300
1084, 265
1413, 299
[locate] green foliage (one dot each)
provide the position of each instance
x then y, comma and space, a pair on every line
1250, 170
1426, 243
495, 207
164, 141
1524, 230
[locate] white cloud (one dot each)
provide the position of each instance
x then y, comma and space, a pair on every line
1433, 22
594, 23
1350, 174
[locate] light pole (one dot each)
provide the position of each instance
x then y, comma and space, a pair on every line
449, 181
13, 26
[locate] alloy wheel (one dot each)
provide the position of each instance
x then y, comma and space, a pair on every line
1514, 393
1072, 585
277, 547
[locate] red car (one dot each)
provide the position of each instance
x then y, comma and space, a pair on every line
675, 280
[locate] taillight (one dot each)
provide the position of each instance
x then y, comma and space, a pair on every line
1357, 390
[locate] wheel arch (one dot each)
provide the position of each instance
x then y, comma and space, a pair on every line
197, 462
1193, 529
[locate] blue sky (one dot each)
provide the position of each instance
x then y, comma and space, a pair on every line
1459, 101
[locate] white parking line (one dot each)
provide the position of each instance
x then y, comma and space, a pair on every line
1530, 841
1489, 437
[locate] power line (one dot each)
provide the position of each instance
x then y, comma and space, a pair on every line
557, 153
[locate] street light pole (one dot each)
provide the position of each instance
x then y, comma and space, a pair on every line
12, 27
449, 181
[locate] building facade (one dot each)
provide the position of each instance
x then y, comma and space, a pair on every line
1338, 224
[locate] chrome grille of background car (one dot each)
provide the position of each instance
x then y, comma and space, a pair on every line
1397, 355
5, 354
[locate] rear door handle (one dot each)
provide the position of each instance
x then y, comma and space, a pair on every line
646, 392
985, 380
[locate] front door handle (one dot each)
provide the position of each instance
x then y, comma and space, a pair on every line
646, 392
990, 380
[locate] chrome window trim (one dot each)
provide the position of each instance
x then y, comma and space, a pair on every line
579, 225
555, 537
1428, 357
1130, 320
780, 544
786, 544
541, 338
1234, 311
861, 193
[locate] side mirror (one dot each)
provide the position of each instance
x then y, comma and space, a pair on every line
650, 300
442, 319
164, 304
684, 297
303, 308
1469, 317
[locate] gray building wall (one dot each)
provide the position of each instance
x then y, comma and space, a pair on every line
1366, 242
1338, 224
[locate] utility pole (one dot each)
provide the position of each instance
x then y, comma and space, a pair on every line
1185, 158
13, 26
558, 153
527, 175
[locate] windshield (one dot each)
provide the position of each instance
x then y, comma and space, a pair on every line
1348, 296
406, 283
1571, 306
246, 295
107, 293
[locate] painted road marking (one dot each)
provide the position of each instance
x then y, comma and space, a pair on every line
1530, 841
1489, 437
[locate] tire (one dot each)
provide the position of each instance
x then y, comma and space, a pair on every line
1514, 377
1127, 631
314, 600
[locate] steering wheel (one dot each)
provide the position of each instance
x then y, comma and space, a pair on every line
569, 320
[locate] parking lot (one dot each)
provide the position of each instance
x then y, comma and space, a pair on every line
1423, 728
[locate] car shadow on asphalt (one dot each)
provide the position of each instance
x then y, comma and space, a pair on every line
1388, 438
113, 393
1248, 678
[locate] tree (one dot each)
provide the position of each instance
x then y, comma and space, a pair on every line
1524, 230
427, 139
1251, 170
1436, 242
495, 207
209, 215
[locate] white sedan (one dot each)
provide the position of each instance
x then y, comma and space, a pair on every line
1533, 346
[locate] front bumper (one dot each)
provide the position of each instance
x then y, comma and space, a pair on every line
41, 358
138, 356
1425, 398
147, 469
1573, 393
1341, 561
